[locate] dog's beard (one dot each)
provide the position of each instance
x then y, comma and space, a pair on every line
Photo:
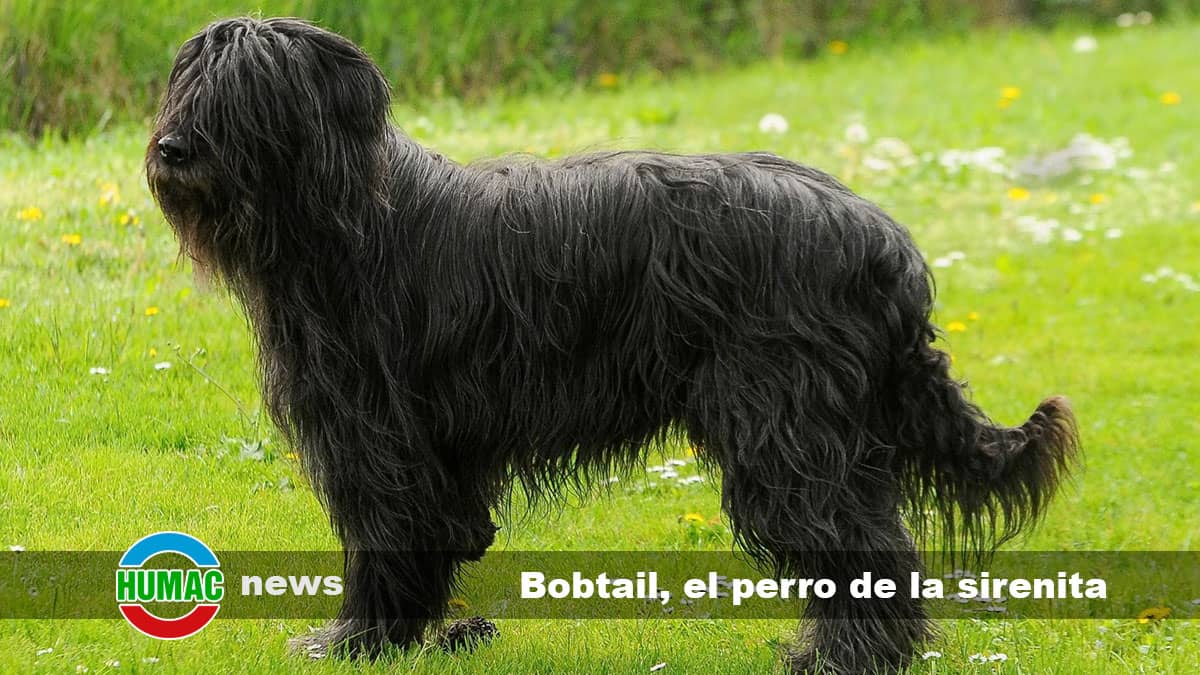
181, 194
202, 268
202, 274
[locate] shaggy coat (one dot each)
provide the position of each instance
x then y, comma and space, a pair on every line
433, 334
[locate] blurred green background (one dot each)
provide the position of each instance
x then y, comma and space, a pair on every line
75, 67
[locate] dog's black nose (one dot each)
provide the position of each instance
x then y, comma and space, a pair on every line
172, 149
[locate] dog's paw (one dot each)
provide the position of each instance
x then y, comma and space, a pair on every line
797, 660
467, 634
337, 638
313, 646
810, 662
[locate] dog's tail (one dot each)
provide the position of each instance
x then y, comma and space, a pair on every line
982, 481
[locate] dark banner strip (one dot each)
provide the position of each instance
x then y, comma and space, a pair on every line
607, 585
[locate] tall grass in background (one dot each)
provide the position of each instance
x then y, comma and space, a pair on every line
75, 66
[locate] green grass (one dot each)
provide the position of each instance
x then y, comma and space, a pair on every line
81, 65
93, 462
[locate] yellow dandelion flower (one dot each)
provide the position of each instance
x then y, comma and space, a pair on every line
607, 80
153, 352
151, 310
1170, 98
4, 303
956, 327
1098, 198
1018, 194
1011, 93
1153, 614
973, 316
30, 213
72, 239
110, 194
838, 47
457, 603
128, 218
694, 517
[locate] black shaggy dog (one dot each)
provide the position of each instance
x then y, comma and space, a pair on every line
432, 334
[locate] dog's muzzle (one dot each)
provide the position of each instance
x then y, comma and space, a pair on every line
172, 149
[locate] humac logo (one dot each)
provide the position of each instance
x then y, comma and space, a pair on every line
138, 586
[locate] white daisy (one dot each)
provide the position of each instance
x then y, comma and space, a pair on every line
857, 133
772, 123
1084, 44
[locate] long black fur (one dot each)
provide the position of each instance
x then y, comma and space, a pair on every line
432, 334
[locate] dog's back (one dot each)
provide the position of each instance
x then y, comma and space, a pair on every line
602, 287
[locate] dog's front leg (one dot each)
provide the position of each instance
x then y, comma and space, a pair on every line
405, 528
390, 598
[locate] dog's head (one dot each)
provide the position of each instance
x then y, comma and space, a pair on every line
266, 127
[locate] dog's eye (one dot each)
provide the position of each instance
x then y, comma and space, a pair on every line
172, 149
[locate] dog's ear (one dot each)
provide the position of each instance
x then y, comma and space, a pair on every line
353, 91
339, 117
360, 98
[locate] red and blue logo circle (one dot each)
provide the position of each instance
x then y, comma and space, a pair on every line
200, 585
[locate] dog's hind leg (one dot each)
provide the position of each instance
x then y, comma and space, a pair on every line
839, 538
809, 495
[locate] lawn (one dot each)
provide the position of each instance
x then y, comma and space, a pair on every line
128, 401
